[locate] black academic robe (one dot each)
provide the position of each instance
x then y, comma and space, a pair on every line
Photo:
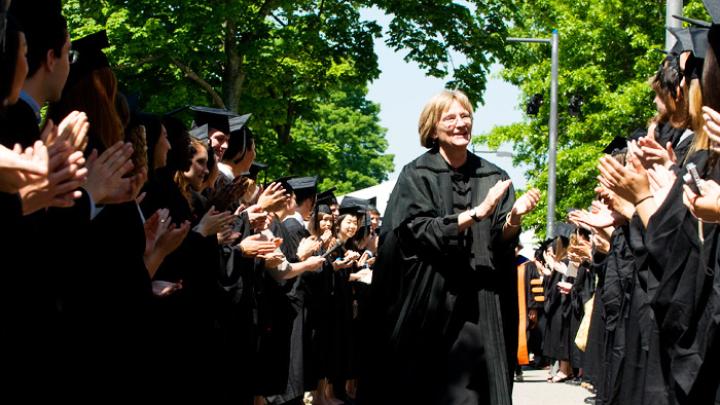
684, 267
582, 290
558, 343
619, 270
293, 231
434, 315
680, 138
595, 350
41, 259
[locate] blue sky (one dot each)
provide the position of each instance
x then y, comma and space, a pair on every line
403, 89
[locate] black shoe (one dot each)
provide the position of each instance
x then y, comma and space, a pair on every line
574, 381
590, 400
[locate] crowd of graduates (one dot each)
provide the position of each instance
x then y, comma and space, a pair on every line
147, 242
625, 299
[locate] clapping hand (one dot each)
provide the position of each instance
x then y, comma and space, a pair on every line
107, 183
66, 173
19, 169
493, 197
213, 222
273, 198
526, 203
257, 245
631, 183
72, 131
712, 127
704, 206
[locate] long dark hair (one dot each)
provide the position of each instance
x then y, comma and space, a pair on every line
711, 72
9, 58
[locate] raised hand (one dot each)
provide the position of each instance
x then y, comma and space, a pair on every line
492, 198
712, 127
307, 247
661, 181
66, 173
631, 183
273, 198
655, 153
615, 202
256, 245
526, 203
18, 168
73, 129
106, 182
704, 206
213, 222
227, 236
172, 237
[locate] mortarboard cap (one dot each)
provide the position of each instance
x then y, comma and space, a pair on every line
713, 8
214, 117
200, 133
90, 56
284, 182
327, 197
564, 229
699, 38
693, 21
353, 205
237, 123
304, 187
240, 137
691, 39
616, 145
255, 169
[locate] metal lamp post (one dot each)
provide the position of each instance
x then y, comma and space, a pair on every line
552, 150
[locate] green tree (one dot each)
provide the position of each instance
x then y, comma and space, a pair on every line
286, 61
607, 53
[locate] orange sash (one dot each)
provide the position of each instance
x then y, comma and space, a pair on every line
522, 351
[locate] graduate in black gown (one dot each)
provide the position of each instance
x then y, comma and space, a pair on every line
434, 318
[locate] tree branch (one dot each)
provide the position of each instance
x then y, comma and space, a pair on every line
190, 74
140, 62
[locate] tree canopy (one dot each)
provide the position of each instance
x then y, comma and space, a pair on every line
608, 51
292, 64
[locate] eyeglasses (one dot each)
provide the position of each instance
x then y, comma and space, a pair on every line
451, 120
73, 55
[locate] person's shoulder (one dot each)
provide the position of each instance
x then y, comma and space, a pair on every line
428, 160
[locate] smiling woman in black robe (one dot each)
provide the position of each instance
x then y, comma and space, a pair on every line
434, 326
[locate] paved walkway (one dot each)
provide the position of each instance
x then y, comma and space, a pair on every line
535, 391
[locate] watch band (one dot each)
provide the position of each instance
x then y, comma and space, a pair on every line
473, 215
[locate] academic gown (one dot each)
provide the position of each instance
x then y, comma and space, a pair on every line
433, 323
619, 269
558, 307
293, 231
683, 299
38, 268
582, 290
595, 351
276, 316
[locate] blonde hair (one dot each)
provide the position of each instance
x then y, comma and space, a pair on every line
432, 111
695, 103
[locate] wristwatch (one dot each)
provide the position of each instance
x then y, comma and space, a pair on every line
474, 216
